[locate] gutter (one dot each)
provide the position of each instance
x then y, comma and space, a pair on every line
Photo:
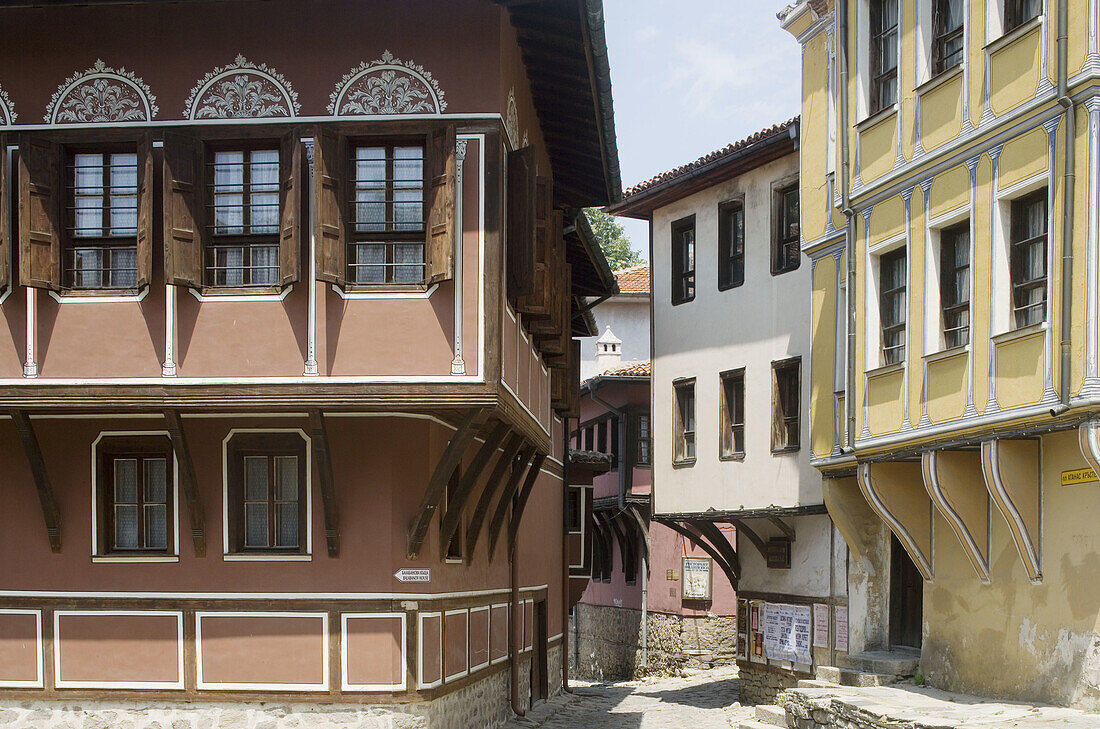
849, 226
599, 69
514, 612
1068, 185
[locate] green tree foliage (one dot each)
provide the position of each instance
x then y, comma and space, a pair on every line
613, 240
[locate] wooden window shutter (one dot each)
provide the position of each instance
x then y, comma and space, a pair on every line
442, 226
329, 201
290, 196
145, 210
39, 214
183, 209
5, 217
779, 425
539, 303
522, 189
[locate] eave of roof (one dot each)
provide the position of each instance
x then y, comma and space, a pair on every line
732, 160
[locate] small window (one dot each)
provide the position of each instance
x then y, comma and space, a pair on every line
955, 284
892, 305
786, 418
1018, 12
732, 414
267, 493
684, 423
388, 234
1028, 259
785, 231
601, 436
572, 509
454, 547
884, 54
947, 34
643, 440
613, 424
135, 489
589, 438
683, 260
731, 244
103, 219
244, 249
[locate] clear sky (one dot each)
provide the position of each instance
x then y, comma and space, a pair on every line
691, 76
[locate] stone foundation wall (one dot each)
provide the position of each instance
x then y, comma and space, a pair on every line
609, 643
760, 685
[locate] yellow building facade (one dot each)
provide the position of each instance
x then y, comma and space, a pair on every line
950, 204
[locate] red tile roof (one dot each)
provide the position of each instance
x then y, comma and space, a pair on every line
634, 369
633, 280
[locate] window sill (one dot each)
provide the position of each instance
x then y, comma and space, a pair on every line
450, 560
885, 370
946, 354
732, 457
786, 451
269, 557
682, 301
136, 559
781, 271
878, 117
241, 293
1013, 35
1021, 333
685, 463
940, 79
385, 291
727, 287
100, 296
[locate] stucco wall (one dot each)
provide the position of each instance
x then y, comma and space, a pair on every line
628, 317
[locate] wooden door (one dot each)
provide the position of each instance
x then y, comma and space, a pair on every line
906, 598
539, 669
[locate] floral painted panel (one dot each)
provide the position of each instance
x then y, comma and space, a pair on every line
101, 94
387, 86
242, 90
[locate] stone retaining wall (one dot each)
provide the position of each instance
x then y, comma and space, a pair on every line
609, 643
760, 685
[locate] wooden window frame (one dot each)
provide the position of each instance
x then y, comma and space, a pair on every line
389, 238
1014, 15
942, 37
731, 422
683, 396
1017, 247
247, 241
645, 438
780, 414
140, 447
272, 445
731, 251
786, 248
880, 75
887, 325
950, 239
683, 275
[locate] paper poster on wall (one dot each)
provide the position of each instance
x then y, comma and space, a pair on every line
696, 581
756, 635
743, 630
821, 625
840, 629
787, 632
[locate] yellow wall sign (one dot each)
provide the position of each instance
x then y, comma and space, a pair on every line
1079, 476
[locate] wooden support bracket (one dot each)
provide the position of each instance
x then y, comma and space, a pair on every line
512, 444
506, 494
51, 514
521, 501
697, 539
322, 456
195, 515
710, 531
643, 533
787, 529
437, 484
457, 503
748, 532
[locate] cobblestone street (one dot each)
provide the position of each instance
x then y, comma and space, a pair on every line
701, 701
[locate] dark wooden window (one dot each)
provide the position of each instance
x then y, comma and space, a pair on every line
135, 496
1028, 258
628, 553
454, 547
786, 254
884, 53
643, 441
601, 436
267, 492
244, 213
955, 284
589, 438
683, 260
613, 437
388, 214
786, 405
1018, 12
731, 244
572, 509
684, 423
947, 34
101, 250
892, 305
731, 413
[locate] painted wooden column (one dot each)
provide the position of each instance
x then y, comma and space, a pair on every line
311, 326
458, 367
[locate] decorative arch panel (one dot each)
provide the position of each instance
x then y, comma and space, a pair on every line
101, 94
242, 90
387, 85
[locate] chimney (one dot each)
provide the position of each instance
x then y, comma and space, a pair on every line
609, 352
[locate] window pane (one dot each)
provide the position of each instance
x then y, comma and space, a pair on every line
122, 269
126, 526
265, 264
255, 525
228, 193
88, 267
287, 534
286, 478
255, 478
156, 526
228, 214
265, 213
126, 487
229, 172
229, 266
408, 253
124, 194
370, 184
156, 480
264, 171
370, 263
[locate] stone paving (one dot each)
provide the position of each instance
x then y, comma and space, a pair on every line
704, 700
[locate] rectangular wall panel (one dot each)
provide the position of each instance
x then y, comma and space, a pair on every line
262, 651
456, 642
20, 648
118, 649
479, 638
498, 632
528, 623
374, 651
430, 639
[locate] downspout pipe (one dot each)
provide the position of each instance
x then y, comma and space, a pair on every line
1068, 186
849, 226
513, 615
565, 562
620, 415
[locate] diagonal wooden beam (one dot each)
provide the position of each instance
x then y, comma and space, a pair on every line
752, 536
457, 503
711, 531
322, 456
706, 546
520, 503
787, 529
195, 515
511, 447
448, 462
50, 512
643, 533
506, 494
